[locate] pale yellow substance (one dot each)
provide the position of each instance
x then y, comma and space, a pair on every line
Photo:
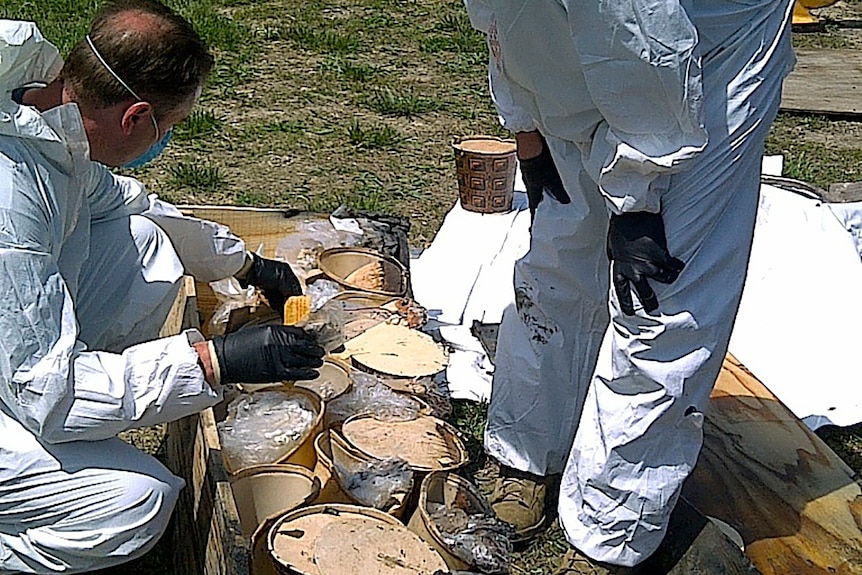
422, 442
482, 146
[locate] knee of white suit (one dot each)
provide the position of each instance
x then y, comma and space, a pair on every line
127, 285
156, 253
119, 519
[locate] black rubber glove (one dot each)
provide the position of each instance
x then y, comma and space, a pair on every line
275, 278
540, 176
637, 246
267, 354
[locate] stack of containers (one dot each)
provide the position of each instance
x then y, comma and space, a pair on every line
300, 518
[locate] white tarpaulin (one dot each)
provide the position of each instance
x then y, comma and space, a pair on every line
797, 328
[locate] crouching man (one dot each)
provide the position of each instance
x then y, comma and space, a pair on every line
89, 268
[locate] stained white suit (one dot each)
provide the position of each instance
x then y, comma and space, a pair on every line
646, 105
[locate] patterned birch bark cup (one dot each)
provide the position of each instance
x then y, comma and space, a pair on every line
486, 173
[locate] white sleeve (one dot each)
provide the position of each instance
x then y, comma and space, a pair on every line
49, 383
643, 73
511, 116
149, 383
208, 251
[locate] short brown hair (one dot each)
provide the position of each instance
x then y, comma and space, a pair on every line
153, 49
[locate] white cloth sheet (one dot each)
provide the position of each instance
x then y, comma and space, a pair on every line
798, 324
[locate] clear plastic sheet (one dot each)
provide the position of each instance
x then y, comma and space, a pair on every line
321, 292
479, 539
264, 426
231, 296
379, 483
302, 247
327, 325
426, 388
370, 395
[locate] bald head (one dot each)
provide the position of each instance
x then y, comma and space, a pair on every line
153, 52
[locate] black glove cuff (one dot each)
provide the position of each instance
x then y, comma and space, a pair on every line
251, 276
218, 347
534, 170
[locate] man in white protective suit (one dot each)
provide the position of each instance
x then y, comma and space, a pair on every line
644, 121
89, 267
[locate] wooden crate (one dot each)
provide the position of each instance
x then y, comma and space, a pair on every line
796, 505
205, 531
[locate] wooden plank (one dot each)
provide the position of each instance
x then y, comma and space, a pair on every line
181, 311
763, 472
825, 82
206, 535
256, 226
205, 529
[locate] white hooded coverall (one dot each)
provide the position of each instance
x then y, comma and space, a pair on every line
89, 266
646, 105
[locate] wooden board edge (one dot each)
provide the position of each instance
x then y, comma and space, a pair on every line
205, 530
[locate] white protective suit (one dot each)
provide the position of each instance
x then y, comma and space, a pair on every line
647, 105
89, 265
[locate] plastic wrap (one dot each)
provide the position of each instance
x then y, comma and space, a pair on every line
379, 483
264, 426
479, 539
370, 395
231, 296
303, 246
321, 292
327, 325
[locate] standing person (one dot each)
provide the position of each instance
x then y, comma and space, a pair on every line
645, 123
89, 268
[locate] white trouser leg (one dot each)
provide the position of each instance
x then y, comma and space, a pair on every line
641, 429
127, 285
640, 432
101, 504
549, 340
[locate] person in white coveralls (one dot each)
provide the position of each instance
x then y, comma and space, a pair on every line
640, 129
89, 267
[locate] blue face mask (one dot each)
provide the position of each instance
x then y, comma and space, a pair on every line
151, 153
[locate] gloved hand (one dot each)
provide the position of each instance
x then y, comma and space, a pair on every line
267, 354
540, 176
637, 246
275, 278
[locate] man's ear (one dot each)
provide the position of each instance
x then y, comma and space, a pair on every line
137, 112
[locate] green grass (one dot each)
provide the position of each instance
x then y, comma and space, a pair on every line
454, 33
406, 103
376, 137
469, 417
820, 161
310, 36
822, 36
63, 22
348, 70
198, 177
200, 124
